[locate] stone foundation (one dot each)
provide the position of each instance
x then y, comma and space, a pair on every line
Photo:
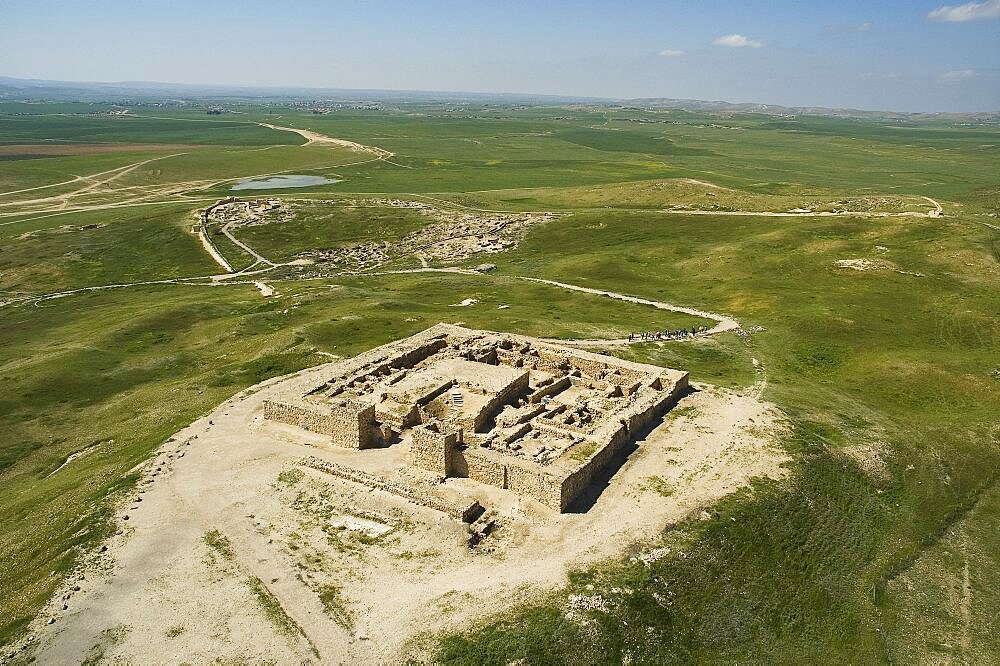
351, 425
507, 411
464, 511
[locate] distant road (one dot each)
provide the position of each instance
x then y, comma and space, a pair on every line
313, 138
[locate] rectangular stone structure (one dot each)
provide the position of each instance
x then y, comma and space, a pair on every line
525, 415
351, 424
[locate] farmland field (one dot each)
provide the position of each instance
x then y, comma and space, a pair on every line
860, 258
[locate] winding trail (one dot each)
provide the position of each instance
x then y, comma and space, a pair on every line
246, 248
723, 324
212, 250
313, 138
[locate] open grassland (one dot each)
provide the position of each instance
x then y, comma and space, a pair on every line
688, 193
114, 374
319, 226
891, 383
70, 129
102, 247
879, 546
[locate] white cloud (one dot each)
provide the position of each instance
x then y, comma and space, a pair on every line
865, 27
957, 75
671, 53
739, 41
970, 11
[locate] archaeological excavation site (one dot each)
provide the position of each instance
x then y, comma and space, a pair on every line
538, 420
356, 507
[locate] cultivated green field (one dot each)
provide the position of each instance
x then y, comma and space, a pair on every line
880, 546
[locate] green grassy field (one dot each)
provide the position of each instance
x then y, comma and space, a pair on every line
324, 226
890, 376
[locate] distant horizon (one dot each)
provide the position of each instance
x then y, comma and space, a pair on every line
207, 89
915, 56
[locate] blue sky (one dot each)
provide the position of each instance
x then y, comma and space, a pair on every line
896, 54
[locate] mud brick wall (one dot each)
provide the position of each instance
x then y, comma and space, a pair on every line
351, 425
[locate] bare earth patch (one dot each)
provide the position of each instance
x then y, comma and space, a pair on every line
866, 264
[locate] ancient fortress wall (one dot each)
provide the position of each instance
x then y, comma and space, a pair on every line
433, 450
466, 511
400, 419
578, 480
351, 425
533, 481
555, 387
634, 396
494, 469
613, 439
482, 465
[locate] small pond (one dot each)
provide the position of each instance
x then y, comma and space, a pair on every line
279, 182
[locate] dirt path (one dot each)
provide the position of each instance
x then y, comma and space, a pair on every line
724, 323
212, 250
748, 213
93, 182
314, 138
243, 246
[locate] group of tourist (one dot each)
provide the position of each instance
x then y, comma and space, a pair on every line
667, 334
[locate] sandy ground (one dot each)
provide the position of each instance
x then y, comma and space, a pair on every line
391, 573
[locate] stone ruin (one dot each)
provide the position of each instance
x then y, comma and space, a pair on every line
517, 413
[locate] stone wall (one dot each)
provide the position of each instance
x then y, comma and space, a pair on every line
350, 424
500, 471
433, 450
482, 465
649, 408
532, 481
466, 510
558, 428
612, 438
588, 366
557, 386
509, 394
410, 358
611, 442
400, 417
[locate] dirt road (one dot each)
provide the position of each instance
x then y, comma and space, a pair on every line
314, 138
